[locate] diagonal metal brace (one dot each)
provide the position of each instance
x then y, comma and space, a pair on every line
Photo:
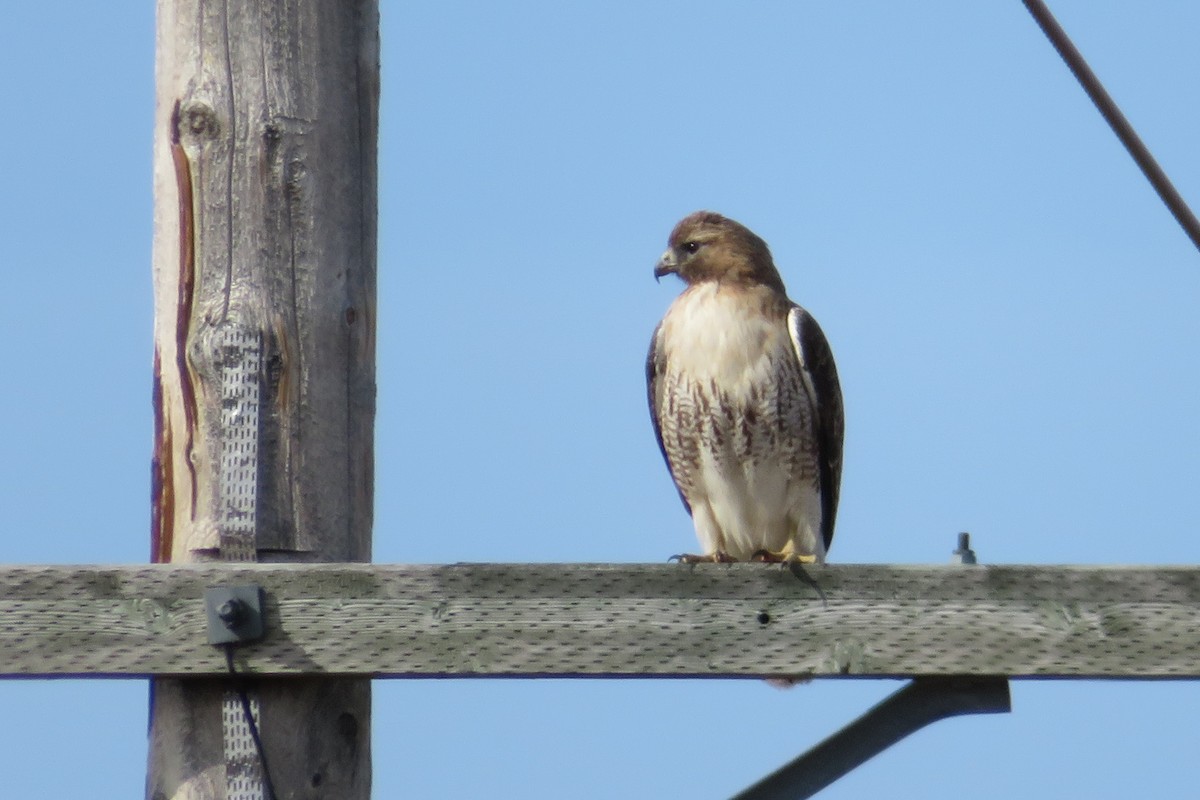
923, 701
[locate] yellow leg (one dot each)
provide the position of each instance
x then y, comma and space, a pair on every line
786, 556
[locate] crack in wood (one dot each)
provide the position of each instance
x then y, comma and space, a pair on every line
183, 308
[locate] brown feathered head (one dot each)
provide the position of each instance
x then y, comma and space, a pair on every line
706, 246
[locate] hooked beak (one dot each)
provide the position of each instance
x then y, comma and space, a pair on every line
667, 265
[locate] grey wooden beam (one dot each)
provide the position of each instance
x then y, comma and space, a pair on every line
612, 620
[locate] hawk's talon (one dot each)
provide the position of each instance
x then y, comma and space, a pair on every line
719, 557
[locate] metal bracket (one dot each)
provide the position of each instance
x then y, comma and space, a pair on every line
923, 701
920, 703
235, 614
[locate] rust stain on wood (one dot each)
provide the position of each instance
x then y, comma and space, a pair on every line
187, 274
162, 483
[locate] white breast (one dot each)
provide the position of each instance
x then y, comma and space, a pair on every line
710, 337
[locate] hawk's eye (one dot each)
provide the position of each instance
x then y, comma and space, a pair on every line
691, 247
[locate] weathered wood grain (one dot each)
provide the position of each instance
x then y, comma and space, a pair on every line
265, 191
264, 240
613, 620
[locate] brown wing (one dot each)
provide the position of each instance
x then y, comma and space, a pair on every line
654, 389
816, 362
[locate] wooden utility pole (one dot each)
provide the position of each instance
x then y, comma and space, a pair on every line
264, 374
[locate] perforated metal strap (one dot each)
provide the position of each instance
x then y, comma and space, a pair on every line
239, 353
243, 770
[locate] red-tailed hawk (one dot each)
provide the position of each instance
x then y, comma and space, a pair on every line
745, 400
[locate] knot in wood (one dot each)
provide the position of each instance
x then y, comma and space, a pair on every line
296, 176
200, 120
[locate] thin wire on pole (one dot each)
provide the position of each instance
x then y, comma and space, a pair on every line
1121, 127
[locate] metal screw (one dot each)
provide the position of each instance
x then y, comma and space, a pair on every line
964, 554
232, 612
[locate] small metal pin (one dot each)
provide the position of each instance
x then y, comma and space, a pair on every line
964, 554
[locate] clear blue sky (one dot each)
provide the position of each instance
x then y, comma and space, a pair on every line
1014, 314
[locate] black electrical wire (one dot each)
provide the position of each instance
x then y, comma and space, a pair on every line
248, 712
1121, 127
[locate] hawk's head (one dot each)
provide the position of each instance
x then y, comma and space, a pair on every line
709, 247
